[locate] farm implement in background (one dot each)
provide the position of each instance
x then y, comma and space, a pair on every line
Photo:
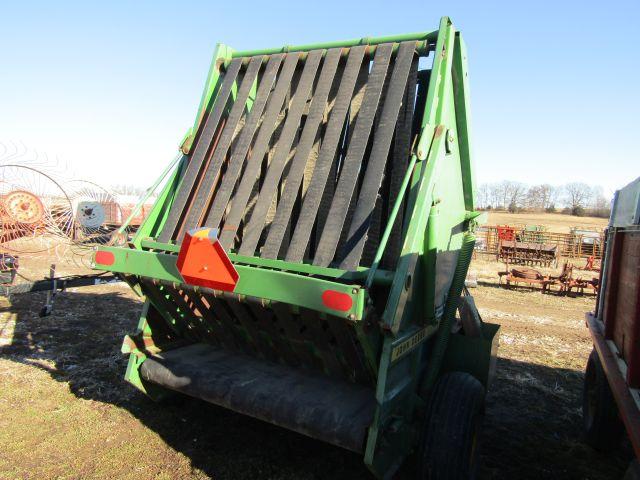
45, 219
533, 245
564, 284
305, 261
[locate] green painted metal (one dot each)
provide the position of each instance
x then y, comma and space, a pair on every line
264, 283
221, 53
444, 332
422, 36
476, 356
400, 318
380, 277
148, 194
156, 217
460, 78
390, 222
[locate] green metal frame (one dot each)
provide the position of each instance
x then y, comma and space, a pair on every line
438, 189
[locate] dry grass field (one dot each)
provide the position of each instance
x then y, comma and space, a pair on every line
66, 413
555, 222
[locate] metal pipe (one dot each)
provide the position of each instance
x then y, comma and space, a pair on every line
148, 193
390, 222
424, 37
422, 48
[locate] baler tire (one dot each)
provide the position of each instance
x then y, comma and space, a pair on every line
601, 421
633, 472
449, 448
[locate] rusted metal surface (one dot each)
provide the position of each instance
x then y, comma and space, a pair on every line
626, 399
527, 253
567, 245
564, 283
622, 301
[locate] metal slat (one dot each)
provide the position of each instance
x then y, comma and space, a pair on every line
160, 301
200, 151
192, 322
226, 335
356, 367
296, 172
379, 153
267, 322
353, 160
400, 161
244, 142
253, 229
252, 168
299, 344
318, 336
205, 190
220, 310
306, 219
257, 340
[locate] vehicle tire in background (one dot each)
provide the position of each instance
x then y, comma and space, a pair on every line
449, 448
601, 422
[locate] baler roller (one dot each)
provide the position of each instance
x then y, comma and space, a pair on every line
273, 185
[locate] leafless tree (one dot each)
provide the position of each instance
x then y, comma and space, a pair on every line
512, 194
494, 195
482, 195
577, 196
541, 197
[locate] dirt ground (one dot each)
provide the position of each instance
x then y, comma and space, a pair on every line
555, 222
66, 413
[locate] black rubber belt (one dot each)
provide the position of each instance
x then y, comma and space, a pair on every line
378, 158
306, 219
327, 195
205, 190
353, 160
253, 164
278, 227
201, 147
241, 148
253, 229
400, 159
354, 110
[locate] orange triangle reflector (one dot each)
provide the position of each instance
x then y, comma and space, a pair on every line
202, 261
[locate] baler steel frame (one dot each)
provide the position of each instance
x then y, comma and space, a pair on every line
396, 325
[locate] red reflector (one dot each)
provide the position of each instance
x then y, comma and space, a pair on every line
337, 300
105, 258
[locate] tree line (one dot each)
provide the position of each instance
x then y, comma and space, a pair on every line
575, 198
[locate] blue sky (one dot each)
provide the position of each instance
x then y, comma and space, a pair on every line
111, 87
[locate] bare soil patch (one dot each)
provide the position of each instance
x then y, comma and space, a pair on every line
555, 222
65, 411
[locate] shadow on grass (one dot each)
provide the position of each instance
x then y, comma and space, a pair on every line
532, 427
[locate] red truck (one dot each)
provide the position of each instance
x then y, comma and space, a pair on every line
611, 396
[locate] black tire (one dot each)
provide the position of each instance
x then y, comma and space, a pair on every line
601, 422
633, 472
450, 443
